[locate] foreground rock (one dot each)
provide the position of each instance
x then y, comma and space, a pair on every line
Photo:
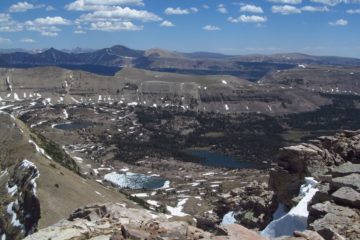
112, 221
252, 205
334, 211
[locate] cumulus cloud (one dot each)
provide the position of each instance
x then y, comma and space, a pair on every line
47, 26
180, 11
119, 13
27, 40
211, 28
248, 19
315, 9
222, 9
167, 24
7, 24
335, 2
91, 5
21, 7
285, 9
58, 20
111, 26
251, 8
340, 22
286, 1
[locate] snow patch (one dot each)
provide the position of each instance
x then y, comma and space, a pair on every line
224, 82
296, 218
178, 210
228, 218
39, 149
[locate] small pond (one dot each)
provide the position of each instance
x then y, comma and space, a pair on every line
69, 126
215, 159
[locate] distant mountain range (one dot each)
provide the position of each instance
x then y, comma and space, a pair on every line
107, 61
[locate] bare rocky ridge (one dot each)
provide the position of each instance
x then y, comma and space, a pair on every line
222, 93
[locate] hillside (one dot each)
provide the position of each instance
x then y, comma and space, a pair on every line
50, 193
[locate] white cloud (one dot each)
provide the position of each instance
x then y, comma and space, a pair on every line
21, 7
47, 26
27, 40
335, 2
119, 13
248, 19
222, 9
315, 9
340, 22
167, 24
353, 11
49, 34
286, 1
285, 9
93, 5
211, 28
205, 6
251, 8
9, 25
4, 40
180, 11
109, 26
329, 2
49, 21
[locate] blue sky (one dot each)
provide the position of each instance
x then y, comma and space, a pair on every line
319, 27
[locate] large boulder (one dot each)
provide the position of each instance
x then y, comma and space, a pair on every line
317, 159
252, 205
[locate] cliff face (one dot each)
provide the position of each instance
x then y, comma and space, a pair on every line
334, 211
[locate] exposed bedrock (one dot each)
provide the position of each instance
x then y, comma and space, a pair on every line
334, 211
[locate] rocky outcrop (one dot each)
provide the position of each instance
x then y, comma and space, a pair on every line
22, 207
334, 211
314, 159
112, 221
252, 205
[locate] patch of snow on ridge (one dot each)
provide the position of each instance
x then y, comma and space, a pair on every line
14, 218
39, 149
224, 82
177, 211
296, 218
166, 185
228, 218
66, 115
27, 164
